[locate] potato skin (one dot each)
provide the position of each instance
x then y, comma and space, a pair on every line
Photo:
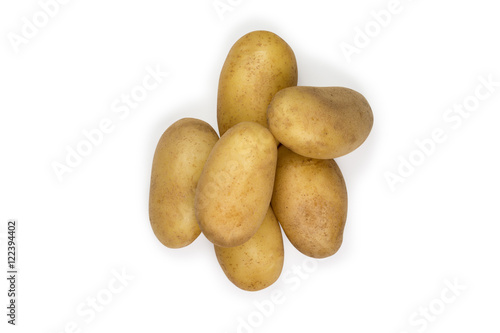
236, 184
320, 122
310, 202
177, 164
258, 65
257, 263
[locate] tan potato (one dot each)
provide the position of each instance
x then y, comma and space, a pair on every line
258, 65
235, 187
177, 164
320, 122
257, 263
310, 202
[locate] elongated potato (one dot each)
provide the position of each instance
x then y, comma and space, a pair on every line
257, 263
177, 164
258, 65
310, 202
236, 184
320, 122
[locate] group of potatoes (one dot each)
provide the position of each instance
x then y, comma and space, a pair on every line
273, 162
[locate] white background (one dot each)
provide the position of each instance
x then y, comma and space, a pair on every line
400, 247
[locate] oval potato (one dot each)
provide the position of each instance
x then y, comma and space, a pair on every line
258, 65
257, 263
236, 184
310, 202
320, 122
177, 164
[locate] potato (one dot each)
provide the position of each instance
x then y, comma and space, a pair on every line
177, 164
257, 66
257, 263
310, 202
236, 184
320, 122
